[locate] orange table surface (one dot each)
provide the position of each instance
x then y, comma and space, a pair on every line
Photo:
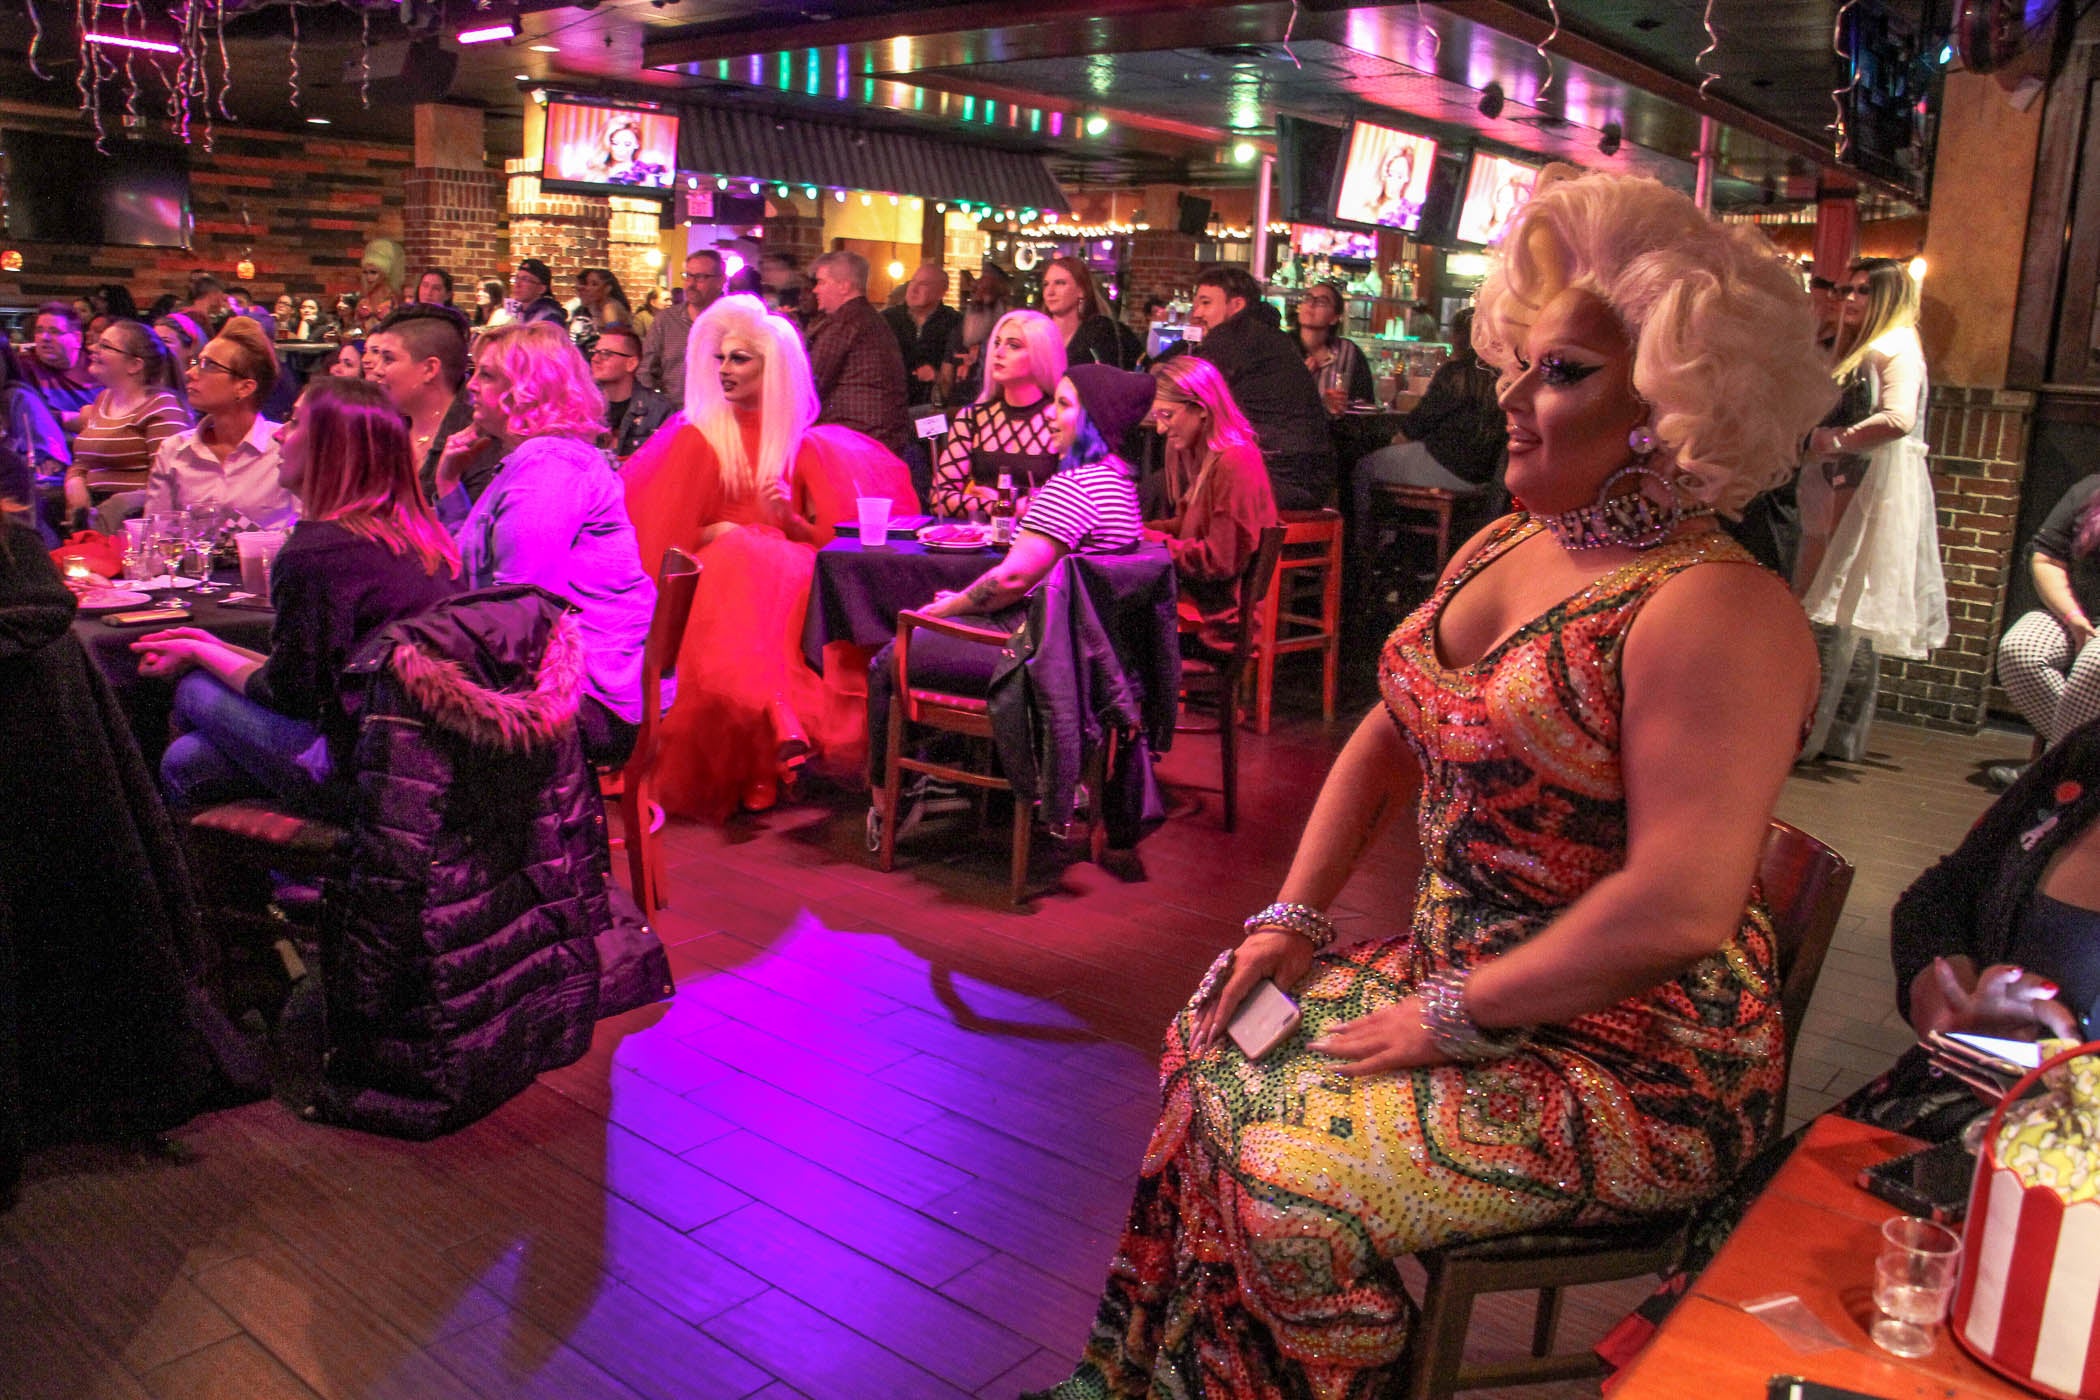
1813, 1233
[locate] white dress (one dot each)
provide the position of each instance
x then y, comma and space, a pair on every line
1880, 577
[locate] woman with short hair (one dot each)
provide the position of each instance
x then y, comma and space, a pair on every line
229, 460
1217, 491
1578, 1024
1007, 431
367, 551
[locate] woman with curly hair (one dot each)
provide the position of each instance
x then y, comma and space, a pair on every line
553, 514
747, 482
1578, 1024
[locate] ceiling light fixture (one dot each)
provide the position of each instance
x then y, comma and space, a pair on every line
127, 41
1096, 125
318, 121
544, 48
1491, 99
1242, 152
500, 32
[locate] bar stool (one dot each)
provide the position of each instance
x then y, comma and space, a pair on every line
1438, 504
1308, 573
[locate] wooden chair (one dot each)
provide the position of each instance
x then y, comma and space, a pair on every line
1309, 571
1211, 675
1424, 511
968, 715
1804, 884
632, 787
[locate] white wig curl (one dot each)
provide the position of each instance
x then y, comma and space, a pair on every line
1723, 336
787, 404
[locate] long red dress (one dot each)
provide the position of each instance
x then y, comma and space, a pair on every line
743, 644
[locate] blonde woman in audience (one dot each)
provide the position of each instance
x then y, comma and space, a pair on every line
1008, 430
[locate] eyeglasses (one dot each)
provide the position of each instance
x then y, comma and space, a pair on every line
614, 355
108, 349
207, 365
1847, 293
55, 332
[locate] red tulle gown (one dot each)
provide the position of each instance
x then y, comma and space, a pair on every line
745, 694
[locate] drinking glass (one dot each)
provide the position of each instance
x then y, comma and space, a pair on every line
1913, 1283
204, 538
167, 536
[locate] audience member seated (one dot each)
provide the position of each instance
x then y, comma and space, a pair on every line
1583, 949
601, 302
348, 361
366, 551
2045, 660
434, 288
309, 326
633, 410
183, 335
229, 460
853, 356
1452, 439
122, 430
108, 1032
1218, 490
1337, 364
923, 325
57, 364
1007, 431
419, 356
1075, 306
113, 299
1266, 373
28, 427
985, 300
206, 306
748, 484
553, 515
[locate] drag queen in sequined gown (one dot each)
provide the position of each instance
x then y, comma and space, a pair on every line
1589, 723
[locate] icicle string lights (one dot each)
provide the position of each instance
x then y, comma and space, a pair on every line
121, 62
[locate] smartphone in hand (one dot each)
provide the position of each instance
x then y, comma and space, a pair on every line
1264, 1021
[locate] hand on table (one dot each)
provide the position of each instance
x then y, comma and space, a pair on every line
1267, 952
2002, 1000
168, 653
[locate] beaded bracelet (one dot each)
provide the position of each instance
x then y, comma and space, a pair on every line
1301, 919
1454, 1031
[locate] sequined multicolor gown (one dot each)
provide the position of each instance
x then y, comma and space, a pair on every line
1275, 1195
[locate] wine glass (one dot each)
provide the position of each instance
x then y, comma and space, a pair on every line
204, 539
167, 536
1913, 1283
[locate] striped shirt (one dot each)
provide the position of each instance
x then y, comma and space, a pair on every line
1089, 510
114, 451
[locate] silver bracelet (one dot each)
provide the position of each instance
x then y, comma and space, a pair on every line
1454, 1031
1301, 919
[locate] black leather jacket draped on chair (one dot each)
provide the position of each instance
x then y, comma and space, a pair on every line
459, 951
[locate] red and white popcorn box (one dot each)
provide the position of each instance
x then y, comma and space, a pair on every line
2028, 1305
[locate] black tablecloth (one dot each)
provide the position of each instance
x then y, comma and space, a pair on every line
146, 701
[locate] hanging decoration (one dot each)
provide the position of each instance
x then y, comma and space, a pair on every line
1553, 8
1707, 76
295, 59
1840, 133
1424, 27
364, 58
124, 53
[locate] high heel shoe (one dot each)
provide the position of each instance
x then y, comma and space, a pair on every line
760, 794
791, 743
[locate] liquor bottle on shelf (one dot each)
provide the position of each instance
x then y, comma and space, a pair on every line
1002, 511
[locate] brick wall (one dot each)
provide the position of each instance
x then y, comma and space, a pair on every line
455, 220
800, 234
1161, 261
568, 232
631, 236
311, 203
1978, 440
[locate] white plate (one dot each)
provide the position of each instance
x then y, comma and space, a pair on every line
979, 540
102, 600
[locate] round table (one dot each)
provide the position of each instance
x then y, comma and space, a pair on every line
145, 700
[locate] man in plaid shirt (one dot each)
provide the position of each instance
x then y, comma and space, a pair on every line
854, 358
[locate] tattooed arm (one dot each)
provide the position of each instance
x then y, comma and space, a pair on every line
1030, 560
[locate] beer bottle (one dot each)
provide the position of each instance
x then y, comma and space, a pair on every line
1003, 511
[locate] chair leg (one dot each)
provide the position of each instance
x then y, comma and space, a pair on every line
1229, 759
1331, 624
634, 827
1265, 658
1023, 820
1437, 1351
892, 785
1545, 1322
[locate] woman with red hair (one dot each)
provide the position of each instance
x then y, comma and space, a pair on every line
367, 551
749, 483
554, 515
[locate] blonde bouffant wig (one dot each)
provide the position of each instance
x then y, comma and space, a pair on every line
1723, 336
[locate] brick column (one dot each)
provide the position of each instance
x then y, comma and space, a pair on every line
454, 217
1161, 261
1978, 439
569, 232
631, 235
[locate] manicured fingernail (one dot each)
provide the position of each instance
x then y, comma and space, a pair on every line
2050, 989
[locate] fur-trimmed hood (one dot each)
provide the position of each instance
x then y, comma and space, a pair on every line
505, 720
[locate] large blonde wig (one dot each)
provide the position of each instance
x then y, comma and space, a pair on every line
787, 403
1892, 304
1723, 336
1046, 352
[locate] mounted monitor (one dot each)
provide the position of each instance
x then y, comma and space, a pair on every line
60, 189
1497, 188
607, 148
1384, 179
1308, 154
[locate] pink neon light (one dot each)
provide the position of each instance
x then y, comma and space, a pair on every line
488, 33
125, 41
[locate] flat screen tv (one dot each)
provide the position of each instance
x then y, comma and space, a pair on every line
604, 149
1307, 155
1384, 179
1497, 188
60, 189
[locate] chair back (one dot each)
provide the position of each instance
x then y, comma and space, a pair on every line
1805, 884
1257, 581
677, 582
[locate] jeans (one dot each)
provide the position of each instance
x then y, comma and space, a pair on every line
608, 740
1402, 464
235, 748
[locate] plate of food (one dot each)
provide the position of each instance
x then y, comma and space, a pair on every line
103, 600
956, 535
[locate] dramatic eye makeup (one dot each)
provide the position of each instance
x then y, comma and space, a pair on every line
1561, 371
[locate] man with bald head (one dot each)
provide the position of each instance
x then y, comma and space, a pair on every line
923, 325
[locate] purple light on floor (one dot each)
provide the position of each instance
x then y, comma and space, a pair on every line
126, 41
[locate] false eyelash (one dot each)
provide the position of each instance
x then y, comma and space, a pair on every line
1555, 370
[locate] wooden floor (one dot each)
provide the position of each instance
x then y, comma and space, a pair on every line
878, 1146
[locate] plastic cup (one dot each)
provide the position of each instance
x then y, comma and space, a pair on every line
257, 549
1914, 1279
874, 522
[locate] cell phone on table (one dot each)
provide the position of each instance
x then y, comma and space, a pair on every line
1264, 1021
1933, 1182
146, 617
